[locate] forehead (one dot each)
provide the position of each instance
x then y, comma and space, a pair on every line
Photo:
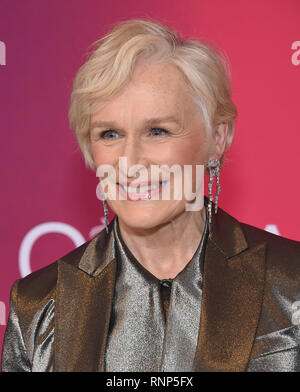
158, 78
155, 89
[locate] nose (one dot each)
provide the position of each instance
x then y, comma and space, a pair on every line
132, 150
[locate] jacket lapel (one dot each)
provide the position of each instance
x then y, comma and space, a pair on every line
84, 300
231, 301
232, 296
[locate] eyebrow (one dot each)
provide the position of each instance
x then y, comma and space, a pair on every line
148, 121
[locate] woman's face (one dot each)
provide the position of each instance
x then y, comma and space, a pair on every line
133, 130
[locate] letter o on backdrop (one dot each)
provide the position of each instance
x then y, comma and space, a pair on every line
42, 229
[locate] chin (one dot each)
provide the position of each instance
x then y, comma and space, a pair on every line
143, 217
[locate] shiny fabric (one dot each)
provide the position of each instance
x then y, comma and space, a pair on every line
250, 300
139, 339
37, 356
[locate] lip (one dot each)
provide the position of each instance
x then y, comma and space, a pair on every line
142, 183
141, 196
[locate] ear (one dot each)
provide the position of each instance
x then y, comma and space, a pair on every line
218, 142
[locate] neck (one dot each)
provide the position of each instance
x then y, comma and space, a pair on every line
167, 249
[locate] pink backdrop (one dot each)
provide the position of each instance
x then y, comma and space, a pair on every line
44, 180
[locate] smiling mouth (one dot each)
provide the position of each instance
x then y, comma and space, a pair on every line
141, 188
141, 191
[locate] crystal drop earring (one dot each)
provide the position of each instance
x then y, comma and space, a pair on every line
214, 170
106, 213
101, 196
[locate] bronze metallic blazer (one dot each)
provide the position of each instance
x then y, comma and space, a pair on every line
250, 310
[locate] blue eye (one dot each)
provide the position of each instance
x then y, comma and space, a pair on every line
108, 134
159, 131
111, 134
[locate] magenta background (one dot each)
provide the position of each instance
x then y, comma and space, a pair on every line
43, 175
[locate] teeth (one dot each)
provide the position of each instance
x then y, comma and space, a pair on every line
142, 189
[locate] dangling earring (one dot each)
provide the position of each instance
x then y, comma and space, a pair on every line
101, 196
214, 169
106, 213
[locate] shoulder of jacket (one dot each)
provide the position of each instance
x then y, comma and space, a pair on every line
41, 284
283, 254
255, 234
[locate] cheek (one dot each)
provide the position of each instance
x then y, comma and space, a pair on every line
101, 154
184, 152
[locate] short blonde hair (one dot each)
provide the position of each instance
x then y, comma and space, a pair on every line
110, 66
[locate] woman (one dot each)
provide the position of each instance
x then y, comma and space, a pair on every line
164, 287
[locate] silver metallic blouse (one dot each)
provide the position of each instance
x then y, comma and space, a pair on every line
69, 316
154, 324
